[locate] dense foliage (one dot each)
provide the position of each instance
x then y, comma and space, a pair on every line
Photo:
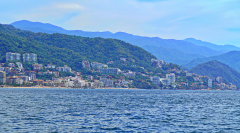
60, 49
215, 69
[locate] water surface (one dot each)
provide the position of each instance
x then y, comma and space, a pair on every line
57, 110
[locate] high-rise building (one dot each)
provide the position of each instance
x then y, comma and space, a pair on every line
12, 56
209, 83
29, 57
2, 77
171, 78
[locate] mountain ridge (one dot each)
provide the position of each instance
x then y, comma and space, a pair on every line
178, 45
215, 68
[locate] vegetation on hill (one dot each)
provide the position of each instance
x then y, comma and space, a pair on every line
215, 68
69, 50
184, 50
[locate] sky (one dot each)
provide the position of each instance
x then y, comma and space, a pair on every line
216, 21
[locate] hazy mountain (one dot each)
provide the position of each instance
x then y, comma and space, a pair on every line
171, 55
184, 49
212, 46
215, 68
231, 58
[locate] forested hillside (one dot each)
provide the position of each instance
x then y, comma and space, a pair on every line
215, 69
69, 50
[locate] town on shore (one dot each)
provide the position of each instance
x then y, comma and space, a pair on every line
26, 72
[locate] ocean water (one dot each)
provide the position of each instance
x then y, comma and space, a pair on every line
58, 110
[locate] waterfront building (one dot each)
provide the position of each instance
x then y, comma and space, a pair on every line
155, 80
209, 83
171, 78
2, 77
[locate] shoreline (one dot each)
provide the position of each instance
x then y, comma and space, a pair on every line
111, 88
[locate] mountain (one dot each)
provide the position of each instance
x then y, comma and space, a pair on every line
225, 48
60, 49
151, 44
171, 55
231, 58
215, 68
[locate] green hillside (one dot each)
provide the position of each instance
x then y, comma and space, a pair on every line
69, 50
215, 69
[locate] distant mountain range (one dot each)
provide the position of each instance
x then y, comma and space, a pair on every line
224, 48
231, 58
169, 50
215, 68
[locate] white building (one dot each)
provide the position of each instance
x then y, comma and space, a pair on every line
171, 78
64, 69
114, 71
165, 81
29, 57
12, 56
209, 83
98, 65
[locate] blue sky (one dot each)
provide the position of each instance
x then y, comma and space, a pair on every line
216, 21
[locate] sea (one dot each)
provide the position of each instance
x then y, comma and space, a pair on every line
102, 110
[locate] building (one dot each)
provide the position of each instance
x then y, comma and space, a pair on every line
12, 56
19, 64
29, 57
156, 63
86, 64
165, 81
2, 77
13, 80
98, 65
171, 78
129, 74
51, 66
219, 79
106, 82
38, 82
64, 69
114, 71
31, 75
155, 80
37, 66
209, 83
11, 64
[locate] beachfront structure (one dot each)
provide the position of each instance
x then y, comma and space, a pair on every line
12, 56
209, 83
2, 77
29, 57
155, 80
171, 78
